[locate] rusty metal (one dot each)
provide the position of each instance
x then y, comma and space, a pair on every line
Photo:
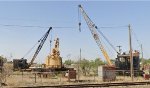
107, 73
72, 74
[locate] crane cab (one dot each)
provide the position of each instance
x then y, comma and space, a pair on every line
20, 64
122, 63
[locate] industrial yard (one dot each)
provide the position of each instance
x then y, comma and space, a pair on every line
29, 80
41, 48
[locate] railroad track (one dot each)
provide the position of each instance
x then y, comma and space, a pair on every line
93, 85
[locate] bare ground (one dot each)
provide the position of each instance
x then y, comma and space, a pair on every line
29, 80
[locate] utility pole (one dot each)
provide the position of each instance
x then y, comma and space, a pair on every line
119, 49
79, 65
131, 57
142, 57
80, 56
50, 46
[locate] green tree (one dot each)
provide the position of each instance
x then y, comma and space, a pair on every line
85, 66
90, 65
146, 61
113, 61
68, 62
95, 63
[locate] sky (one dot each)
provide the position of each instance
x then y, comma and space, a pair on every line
112, 17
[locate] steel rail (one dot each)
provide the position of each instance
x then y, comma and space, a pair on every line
92, 85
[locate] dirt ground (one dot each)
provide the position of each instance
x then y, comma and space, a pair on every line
27, 79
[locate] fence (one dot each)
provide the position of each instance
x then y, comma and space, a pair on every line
17, 79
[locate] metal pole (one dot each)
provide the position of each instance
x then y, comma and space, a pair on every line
50, 46
142, 57
35, 77
131, 57
79, 65
80, 56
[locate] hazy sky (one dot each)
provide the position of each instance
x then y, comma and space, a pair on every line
16, 41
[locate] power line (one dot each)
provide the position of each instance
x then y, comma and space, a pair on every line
25, 26
10, 25
113, 27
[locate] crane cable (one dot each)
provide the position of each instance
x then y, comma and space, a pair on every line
107, 47
106, 39
136, 38
34, 46
30, 50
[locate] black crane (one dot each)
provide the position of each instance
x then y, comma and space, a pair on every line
22, 63
42, 41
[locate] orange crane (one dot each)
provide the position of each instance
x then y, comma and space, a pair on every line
93, 28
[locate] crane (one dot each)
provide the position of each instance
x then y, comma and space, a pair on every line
93, 28
22, 63
42, 41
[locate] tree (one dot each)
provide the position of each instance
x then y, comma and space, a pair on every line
85, 66
68, 62
94, 64
146, 61
3, 72
3, 59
